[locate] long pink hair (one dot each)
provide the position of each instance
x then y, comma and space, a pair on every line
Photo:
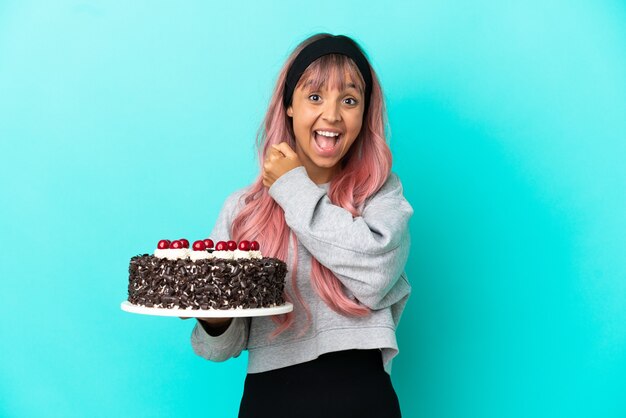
364, 169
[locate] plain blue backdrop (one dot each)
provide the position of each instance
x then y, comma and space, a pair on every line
125, 122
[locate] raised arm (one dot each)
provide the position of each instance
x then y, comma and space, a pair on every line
367, 253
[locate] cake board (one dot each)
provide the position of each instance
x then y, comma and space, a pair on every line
208, 313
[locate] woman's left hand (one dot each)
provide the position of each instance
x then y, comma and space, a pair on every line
281, 158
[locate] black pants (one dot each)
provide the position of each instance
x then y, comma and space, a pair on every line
343, 384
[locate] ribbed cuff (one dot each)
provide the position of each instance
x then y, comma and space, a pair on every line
221, 341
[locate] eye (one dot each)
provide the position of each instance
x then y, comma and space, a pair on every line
314, 97
354, 101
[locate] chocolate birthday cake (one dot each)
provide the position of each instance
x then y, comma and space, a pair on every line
228, 276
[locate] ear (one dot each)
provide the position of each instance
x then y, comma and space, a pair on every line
290, 111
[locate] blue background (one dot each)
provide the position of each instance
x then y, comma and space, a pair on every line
125, 122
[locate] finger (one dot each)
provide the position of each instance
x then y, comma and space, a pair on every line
277, 152
274, 155
286, 150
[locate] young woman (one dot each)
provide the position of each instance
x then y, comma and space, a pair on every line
327, 203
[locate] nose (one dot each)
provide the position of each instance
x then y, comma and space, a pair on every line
331, 111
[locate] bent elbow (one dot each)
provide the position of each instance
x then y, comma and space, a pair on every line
371, 295
384, 296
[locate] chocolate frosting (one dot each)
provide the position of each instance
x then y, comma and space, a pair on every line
206, 284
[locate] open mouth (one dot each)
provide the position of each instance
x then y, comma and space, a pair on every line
326, 141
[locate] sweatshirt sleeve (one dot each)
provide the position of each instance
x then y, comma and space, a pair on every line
235, 339
367, 253
229, 344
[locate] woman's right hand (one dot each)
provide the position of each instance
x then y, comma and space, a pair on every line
280, 159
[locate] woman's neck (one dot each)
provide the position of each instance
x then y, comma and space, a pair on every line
320, 175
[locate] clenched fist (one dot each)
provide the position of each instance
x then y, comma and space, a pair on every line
281, 158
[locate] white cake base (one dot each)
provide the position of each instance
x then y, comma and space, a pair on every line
207, 313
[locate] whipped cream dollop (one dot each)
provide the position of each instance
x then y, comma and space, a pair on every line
160, 253
225, 255
200, 255
237, 254
172, 253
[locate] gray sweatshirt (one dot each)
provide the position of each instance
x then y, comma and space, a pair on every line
367, 254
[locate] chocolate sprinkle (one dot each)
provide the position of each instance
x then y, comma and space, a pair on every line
206, 284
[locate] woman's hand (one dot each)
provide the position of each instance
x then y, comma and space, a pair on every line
281, 158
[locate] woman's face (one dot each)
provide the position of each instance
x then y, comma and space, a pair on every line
326, 123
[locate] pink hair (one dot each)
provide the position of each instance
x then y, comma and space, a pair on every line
364, 169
